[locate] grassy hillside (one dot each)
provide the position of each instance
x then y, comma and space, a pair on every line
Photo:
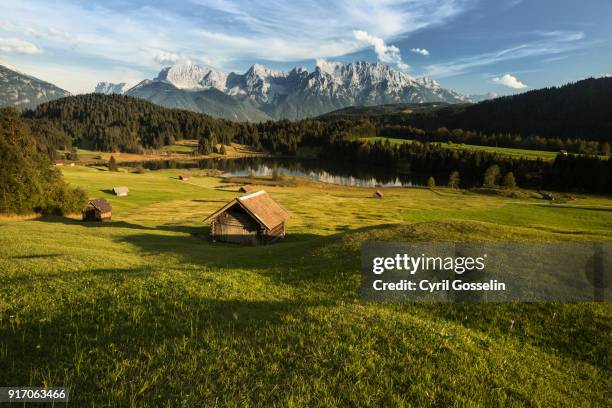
504, 151
143, 310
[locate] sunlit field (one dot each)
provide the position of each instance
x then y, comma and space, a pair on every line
146, 311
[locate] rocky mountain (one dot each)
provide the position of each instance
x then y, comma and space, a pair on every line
24, 91
262, 93
111, 88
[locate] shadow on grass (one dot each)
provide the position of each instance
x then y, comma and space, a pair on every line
35, 256
93, 224
103, 348
210, 201
185, 229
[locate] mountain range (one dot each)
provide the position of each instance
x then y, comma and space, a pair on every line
262, 93
23, 91
257, 95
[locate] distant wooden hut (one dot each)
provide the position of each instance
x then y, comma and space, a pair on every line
183, 177
58, 162
378, 194
247, 188
97, 210
252, 219
121, 191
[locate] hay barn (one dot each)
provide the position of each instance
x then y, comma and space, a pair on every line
121, 191
378, 194
183, 177
97, 210
246, 188
252, 219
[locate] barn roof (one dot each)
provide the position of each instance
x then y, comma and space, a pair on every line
260, 206
121, 190
246, 188
101, 204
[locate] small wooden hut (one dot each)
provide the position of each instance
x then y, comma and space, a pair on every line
121, 191
246, 188
378, 194
97, 210
183, 177
252, 220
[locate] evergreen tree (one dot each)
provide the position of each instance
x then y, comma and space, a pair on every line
490, 176
74, 154
454, 180
204, 146
28, 183
431, 182
112, 164
508, 181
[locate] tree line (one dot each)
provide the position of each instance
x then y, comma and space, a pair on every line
28, 182
444, 135
121, 123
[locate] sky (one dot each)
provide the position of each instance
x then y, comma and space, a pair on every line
470, 46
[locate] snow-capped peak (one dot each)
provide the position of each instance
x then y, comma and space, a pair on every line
186, 75
331, 85
111, 88
260, 71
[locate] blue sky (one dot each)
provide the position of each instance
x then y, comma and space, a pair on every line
471, 46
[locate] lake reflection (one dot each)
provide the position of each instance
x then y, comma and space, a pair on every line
341, 173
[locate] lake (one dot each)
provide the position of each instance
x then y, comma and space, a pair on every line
341, 173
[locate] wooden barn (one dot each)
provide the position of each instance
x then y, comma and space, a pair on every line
121, 191
246, 188
183, 177
378, 194
97, 210
252, 219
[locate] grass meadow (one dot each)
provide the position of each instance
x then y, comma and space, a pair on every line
144, 311
503, 151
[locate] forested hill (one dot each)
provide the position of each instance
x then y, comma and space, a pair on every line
117, 122
581, 110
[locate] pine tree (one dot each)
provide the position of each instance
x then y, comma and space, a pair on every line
112, 164
490, 176
204, 146
431, 182
454, 180
508, 181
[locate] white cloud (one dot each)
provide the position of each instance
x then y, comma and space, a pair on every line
509, 81
228, 34
421, 51
166, 58
389, 54
553, 43
15, 45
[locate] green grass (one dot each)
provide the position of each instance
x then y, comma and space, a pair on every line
141, 311
505, 151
